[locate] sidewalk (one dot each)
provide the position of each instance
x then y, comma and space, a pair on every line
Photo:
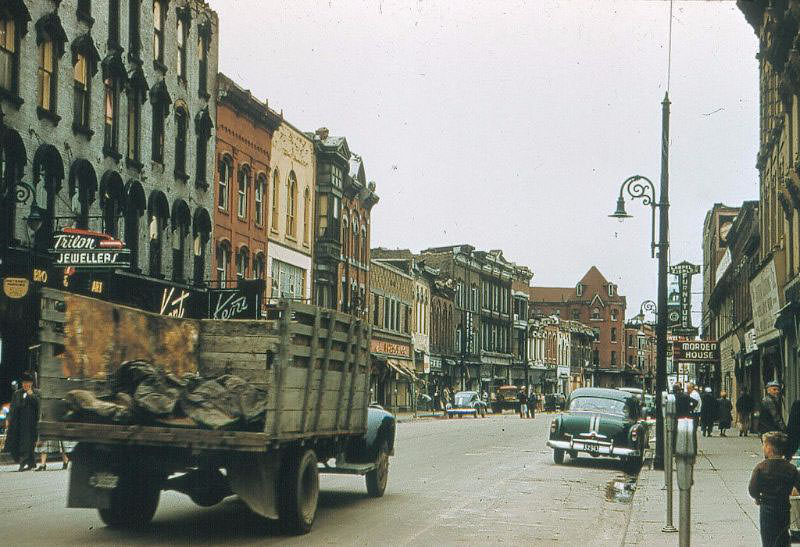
722, 513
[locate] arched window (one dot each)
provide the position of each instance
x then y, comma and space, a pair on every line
261, 185
12, 163
201, 231
114, 73
202, 127
223, 263
225, 172
181, 219
48, 175
111, 200
82, 189
160, 101
50, 38
595, 313
181, 39
364, 246
181, 129
259, 266
242, 261
134, 208
243, 185
159, 15
9, 53
291, 205
356, 240
275, 196
307, 216
157, 215
84, 67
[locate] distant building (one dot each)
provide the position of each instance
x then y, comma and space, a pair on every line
595, 302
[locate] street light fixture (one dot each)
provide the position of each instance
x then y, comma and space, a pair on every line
640, 187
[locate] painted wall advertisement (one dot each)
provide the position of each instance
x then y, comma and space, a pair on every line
764, 294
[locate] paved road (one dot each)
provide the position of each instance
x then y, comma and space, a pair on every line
468, 481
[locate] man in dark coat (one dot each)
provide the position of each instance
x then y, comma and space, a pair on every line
23, 424
708, 412
744, 408
683, 403
724, 413
770, 413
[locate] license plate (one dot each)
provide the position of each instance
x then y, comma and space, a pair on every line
591, 448
104, 481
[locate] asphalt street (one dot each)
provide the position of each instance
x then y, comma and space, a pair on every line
460, 481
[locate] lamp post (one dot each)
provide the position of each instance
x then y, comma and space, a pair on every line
637, 187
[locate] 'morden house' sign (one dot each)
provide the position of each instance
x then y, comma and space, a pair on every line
85, 249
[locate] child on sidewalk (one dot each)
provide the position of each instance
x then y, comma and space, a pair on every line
770, 486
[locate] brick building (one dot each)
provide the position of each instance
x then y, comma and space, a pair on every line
245, 126
107, 115
595, 302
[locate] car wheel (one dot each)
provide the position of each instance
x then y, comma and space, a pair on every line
376, 479
573, 454
449, 415
558, 455
298, 492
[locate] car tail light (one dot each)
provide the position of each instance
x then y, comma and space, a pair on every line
634, 434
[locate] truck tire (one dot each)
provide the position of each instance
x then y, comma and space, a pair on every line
298, 492
377, 478
558, 455
133, 503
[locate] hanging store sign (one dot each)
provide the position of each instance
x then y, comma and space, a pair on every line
15, 287
698, 351
766, 304
85, 249
685, 271
390, 348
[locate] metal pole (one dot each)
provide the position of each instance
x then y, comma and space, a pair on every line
684, 520
663, 258
668, 432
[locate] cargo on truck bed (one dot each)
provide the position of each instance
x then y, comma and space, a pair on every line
308, 367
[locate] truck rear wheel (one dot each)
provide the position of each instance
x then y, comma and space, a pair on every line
377, 478
133, 502
298, 492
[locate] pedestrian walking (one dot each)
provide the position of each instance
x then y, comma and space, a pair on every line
683, 402
522, 397
445, 398
531, 403
744, 412
770, 414
724, 413
770, 485
708, 412
23, 420
698, 402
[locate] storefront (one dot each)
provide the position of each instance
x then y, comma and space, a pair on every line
394, 382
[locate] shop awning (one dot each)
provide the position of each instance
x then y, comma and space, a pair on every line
405, 368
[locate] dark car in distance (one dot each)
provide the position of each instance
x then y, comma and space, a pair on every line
600, 422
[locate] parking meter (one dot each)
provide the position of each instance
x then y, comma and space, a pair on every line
685, 454
669, 410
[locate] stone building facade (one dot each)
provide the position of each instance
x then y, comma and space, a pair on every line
107, 114
245, 126
392, 350
291, 214
595, 302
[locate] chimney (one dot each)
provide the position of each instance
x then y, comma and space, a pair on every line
322, 133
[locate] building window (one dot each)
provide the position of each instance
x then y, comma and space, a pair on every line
181, 128
291, 205
201, 230
159, 115
241, 263
288, 279
203, 43
111, 118
223, 262
180, 232
244, 183
182, 35
258, 194
307, 216
84, 9
159, 14
9, 57
336, 176
613, 358
322, 215
134, 39
203, 125
613, 334
364, 246
258, 266
48, 67
356, 240
134, 126
595, 313
81, 90
158, 215
225, 172
579, 289
613, 315
113, 24
610, 289
275, 197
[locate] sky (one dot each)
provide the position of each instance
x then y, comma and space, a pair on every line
511, 125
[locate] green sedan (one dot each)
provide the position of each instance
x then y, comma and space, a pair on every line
600, 422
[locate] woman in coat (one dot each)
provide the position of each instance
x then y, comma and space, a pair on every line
708, 412
724, 413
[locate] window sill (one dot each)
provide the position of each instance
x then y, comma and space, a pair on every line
222, 210
11, 97
134, 164
160, 66
49, 115
179, 175
241, 218
84, 130
111, 153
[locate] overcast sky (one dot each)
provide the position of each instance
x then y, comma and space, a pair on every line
511, 125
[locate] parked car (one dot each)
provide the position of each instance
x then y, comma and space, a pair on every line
600, 422
466, 402
505, 397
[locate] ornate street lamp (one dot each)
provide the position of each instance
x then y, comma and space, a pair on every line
640, 187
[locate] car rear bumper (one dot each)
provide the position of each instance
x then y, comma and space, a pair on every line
594, 447
461, 411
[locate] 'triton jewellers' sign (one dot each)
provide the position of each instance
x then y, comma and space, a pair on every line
83, 249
